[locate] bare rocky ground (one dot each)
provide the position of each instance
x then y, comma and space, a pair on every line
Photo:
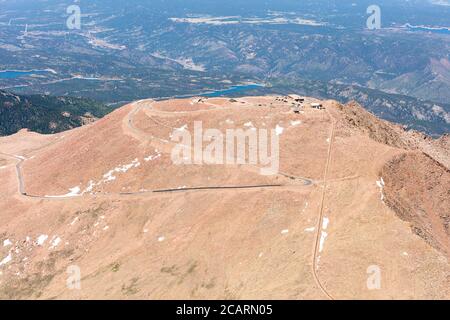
353, 192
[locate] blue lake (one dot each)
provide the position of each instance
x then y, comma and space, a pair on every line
424, 29
7, 74
232, 90
217, 93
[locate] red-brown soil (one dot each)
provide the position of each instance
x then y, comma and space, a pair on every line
380, 195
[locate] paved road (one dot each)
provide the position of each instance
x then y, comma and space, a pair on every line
140, 135
20, 160
21, 187
145, 137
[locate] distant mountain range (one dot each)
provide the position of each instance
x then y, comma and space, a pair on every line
321, 48
47, 114
423, 115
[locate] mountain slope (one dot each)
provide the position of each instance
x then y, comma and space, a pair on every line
107, 199
431, 83
417, 188
46, 114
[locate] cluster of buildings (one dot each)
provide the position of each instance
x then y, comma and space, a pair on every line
299, 103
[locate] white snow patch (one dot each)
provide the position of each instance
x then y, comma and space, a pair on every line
90, 187
153, 157
325, 223
306, 206
6, 260
279, 130
134, 164
109, 176
380, 184
182, 128
41, 239
74, 192
323, 236
56, 241
74, 221
7, 243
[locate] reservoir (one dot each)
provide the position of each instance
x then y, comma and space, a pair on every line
13, 74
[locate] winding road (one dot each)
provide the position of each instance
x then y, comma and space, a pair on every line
145, 137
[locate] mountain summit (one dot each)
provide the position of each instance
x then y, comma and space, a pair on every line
352, 194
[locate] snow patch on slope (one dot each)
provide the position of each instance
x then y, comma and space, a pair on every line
153, 157
6, 260
41, 239
323, 235
380, 184
74, 192
279, 130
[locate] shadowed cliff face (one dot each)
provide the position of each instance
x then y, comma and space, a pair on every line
418, 190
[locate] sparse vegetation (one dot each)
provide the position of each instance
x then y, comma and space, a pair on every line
115, 267
130, 288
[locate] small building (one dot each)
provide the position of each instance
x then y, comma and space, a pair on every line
296, 98
318, 106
